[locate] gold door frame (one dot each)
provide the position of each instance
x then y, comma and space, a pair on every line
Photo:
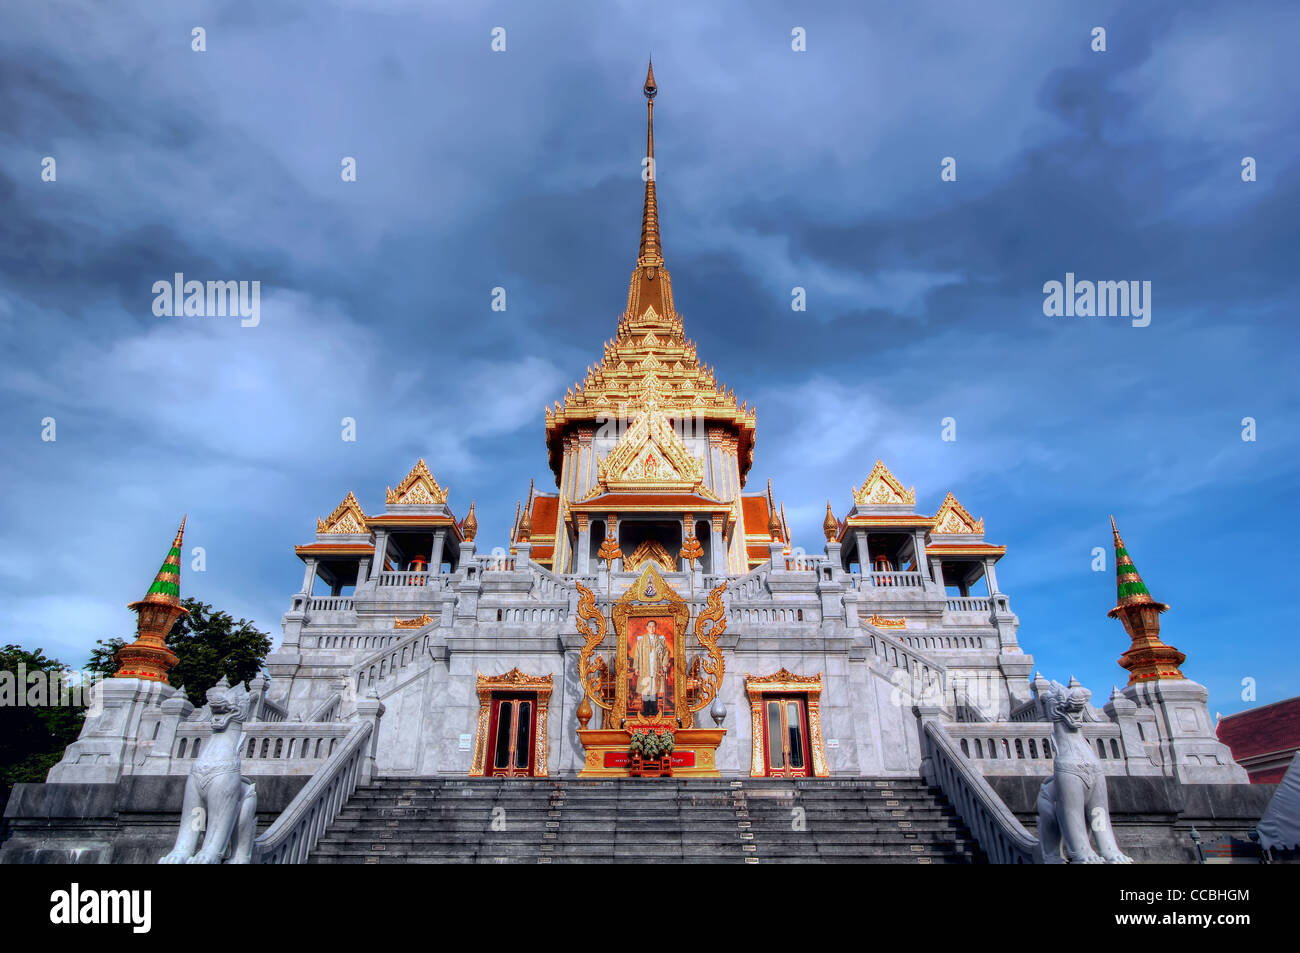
512, 681
786, 682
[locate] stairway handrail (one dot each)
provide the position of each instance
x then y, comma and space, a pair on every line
999, 833
293, 835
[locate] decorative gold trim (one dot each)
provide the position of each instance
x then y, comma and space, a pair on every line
880, 622
650, 551
881, 488
513, 681
786, 682
419, 622
954, 518
347, 517
418, 487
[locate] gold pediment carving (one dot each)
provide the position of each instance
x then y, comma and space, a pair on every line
418, 487
346, 518
881, 488
651, 455
653, 552
955, 518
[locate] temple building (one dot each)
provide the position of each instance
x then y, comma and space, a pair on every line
658, 590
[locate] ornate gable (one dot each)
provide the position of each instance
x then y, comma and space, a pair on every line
882, 488
418, 487
651, 455
346, 518
954, 518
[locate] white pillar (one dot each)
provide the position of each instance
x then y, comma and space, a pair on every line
309, 575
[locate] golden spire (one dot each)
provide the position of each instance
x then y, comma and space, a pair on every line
650, 256
525, 531
773, 520
469, 526
830, 525
148, 656
1148, 658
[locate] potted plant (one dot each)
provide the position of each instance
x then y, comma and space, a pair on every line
650, 754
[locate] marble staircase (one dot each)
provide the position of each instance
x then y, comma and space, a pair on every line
539, 820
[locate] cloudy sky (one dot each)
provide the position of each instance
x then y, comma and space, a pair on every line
776, 168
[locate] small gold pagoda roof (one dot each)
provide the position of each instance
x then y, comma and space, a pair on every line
418, 487
881, 488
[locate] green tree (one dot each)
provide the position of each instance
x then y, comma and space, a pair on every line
208, 644
32, 738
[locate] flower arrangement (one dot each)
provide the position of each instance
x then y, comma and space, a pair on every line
651, 745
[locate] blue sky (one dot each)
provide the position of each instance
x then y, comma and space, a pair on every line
776, 168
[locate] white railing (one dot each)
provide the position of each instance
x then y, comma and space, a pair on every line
365, 642
929, 679
394, 658
1025, 747
266, 710
293, 835
999, 833
897, 580
515, 614
968, 604
495, 563
751, 585
805, 562
268, 748
546, 584
769, 612
388, 579
328, 710
330, 603
942, 642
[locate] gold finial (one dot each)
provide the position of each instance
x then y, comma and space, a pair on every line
830, 525
650, 256
525, 531
469, 527
773, 520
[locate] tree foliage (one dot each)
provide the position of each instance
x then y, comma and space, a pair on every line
208, 644
32, 738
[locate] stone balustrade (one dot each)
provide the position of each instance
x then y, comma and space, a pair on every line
290, 839
283, 748
999, 833
330, 604
944, 641
386, 580
394, 658
1025, 748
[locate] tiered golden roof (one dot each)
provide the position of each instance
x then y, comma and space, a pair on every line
650, 342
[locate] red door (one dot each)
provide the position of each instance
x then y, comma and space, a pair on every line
510, 735
785, 725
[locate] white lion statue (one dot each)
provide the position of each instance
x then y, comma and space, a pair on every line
218, 799
1073, 808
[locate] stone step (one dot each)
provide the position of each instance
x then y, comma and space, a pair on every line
450, 820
